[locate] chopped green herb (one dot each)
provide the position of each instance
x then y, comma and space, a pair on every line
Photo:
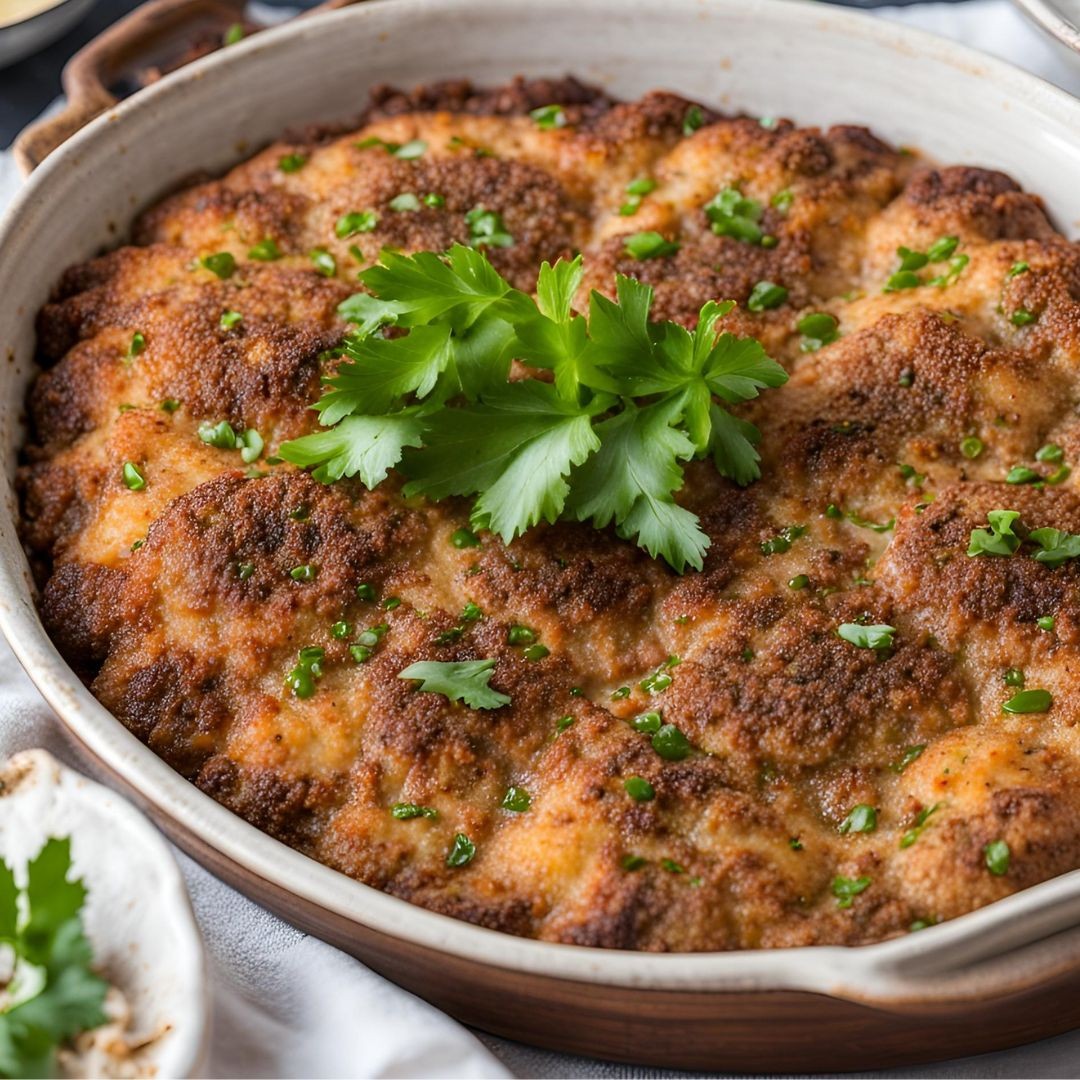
647, 723
731, 213
301, 680
245, 570
461, 852
862, 819
1022, 317
290, 163
409, 151
1014, 677
229, 319
433, 200
999, 538
1050, 452
1045, 622
621, 693
656, 683
233, 34
520, 635
692, 120
265, 251
323, 261
404, 203
878, 636
405, 811
464, 538
391, 603
1029, 701
957, 265
466, 681
486, 229
138, 343
921, 822
795, 844
340, 630
765, 295
782, 200
536, 652
997, 856
364, 591
516, 799
971, 447
221, 263
670, 743
910, 754
639, 789
818, 329
564, 723
799, 581
845, 889
360, 653
1057, 546
1018, 268
902, 279
170, 405
1021, 474
133, 478
942, 248
548, 117
783, 540
643, 185
649, 245
471, 612
630, 863
358, 221
307, 572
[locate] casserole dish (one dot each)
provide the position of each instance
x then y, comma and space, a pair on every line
987, 980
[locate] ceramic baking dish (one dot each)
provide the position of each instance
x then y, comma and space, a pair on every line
999, 976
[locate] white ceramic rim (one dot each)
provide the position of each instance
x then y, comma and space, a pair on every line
890, 970
1049, 17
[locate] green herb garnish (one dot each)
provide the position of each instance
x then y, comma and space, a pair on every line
358, 221
580, 447
405, 811
731, 213
548, 117
845, 889
461, 852
765, 296
301, 679
876, 637
51, 992
818, 330
466, 681
639, 789
670, 743
221, 263
999, 538
997, 856
862, 819
649, 245
133, 478
290, 163
1029, 701
516, 799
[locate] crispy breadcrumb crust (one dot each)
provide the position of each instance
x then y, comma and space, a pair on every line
176, 603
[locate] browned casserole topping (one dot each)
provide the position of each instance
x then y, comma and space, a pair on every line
855, 720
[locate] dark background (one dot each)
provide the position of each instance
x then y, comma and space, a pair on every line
27, 88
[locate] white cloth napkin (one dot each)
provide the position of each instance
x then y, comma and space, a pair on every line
288, 1005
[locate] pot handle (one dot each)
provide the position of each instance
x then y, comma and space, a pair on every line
152, 40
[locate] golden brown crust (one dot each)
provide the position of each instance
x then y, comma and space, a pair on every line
177, 603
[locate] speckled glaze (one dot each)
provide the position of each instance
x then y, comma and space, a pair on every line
137, 913
774, 58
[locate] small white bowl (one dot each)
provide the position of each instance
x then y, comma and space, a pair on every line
41, 25
137, 915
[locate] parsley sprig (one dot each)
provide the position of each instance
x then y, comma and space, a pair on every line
629, 401
52, 994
